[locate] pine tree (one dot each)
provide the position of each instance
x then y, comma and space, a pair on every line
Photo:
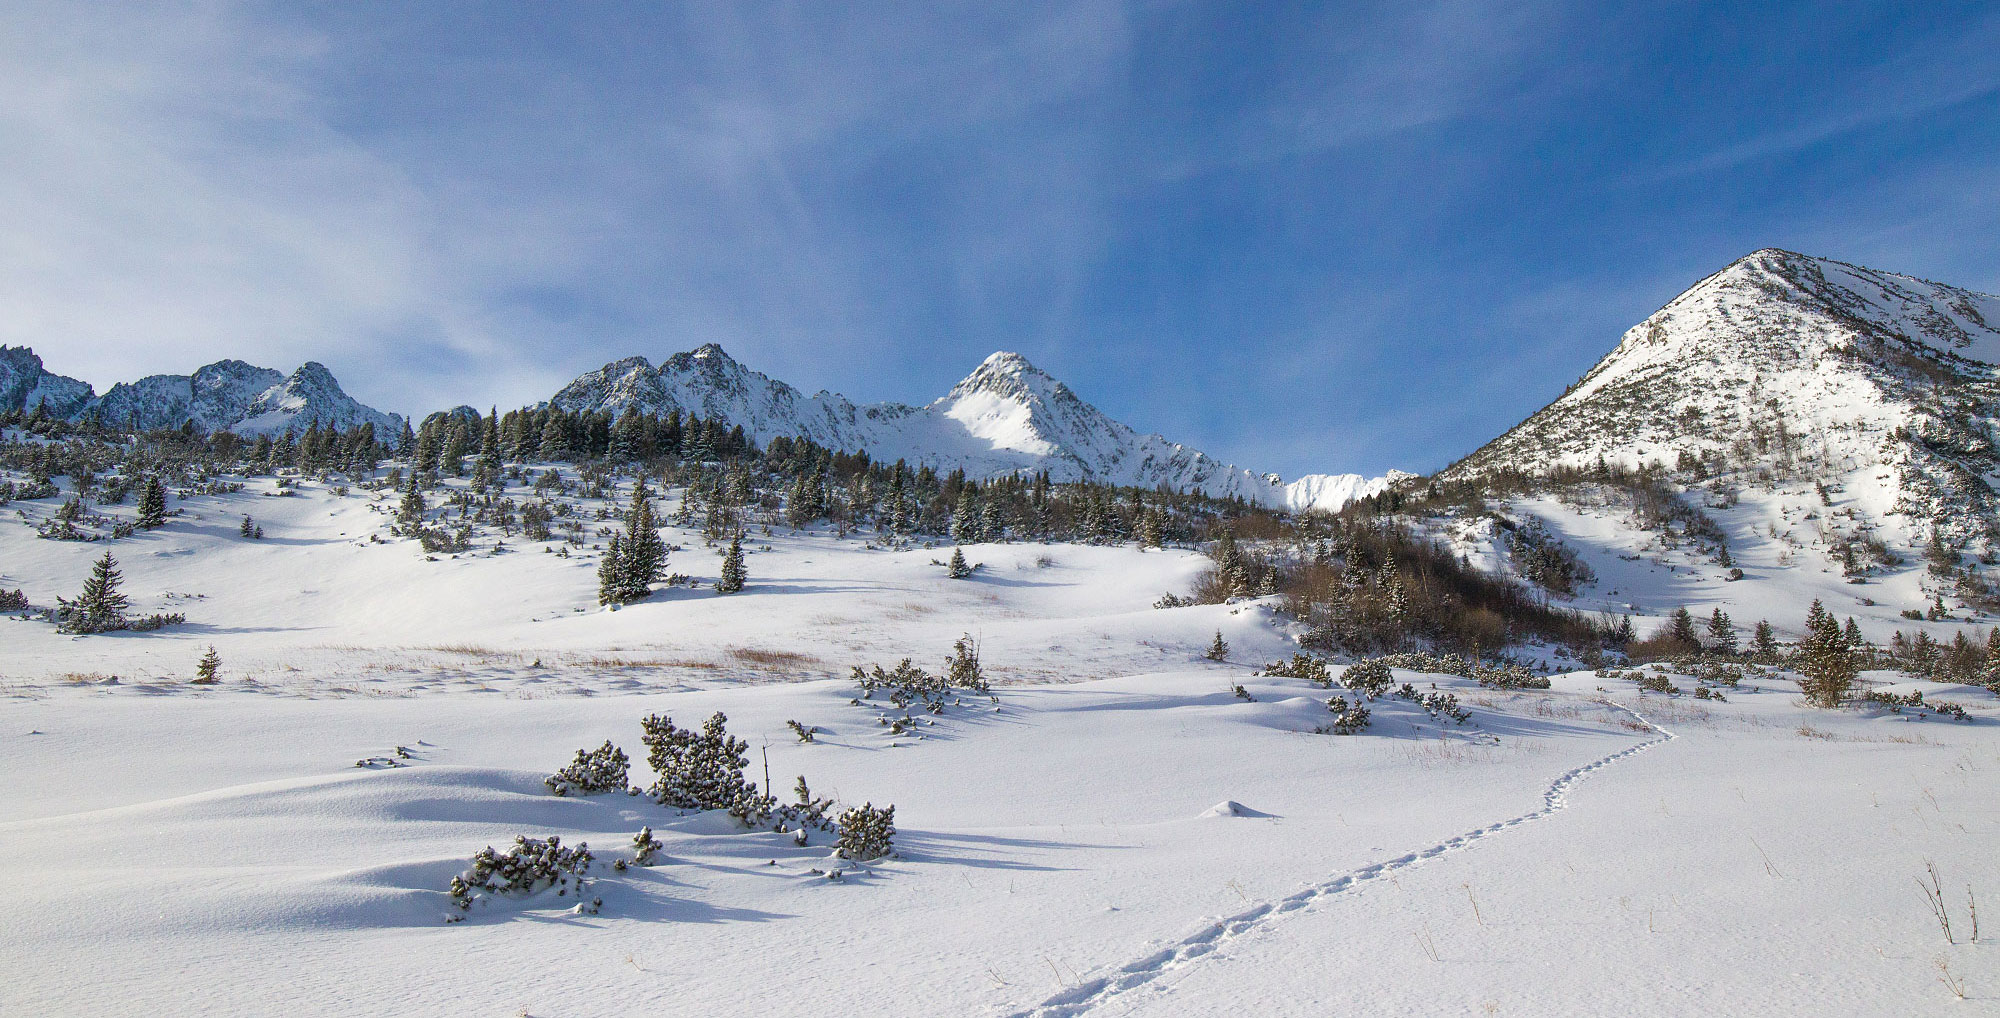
1764, 644
965, 517
206, 670
1149, 529
153, 505
645, 553
1721, 633
249, 527
611, 573
1824, 660
958, 569
1852, 634
411, 513
1217, 650
100, 607
1681, 629
733, 575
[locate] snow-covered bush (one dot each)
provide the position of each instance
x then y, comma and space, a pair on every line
1347, 720
1657, 682
961, 669
531, 866
13, 601
1302, 666
1443, 705
866, 832
594, 772
1370, 678
804, 733
645, 847
699, 770
1243, 694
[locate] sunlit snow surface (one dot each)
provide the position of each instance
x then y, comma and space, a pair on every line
215, 850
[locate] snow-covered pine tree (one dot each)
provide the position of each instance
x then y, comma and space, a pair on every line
733, 575
1681, 628
1764, 642
99, 607
207, 671
1852, 634
965, 517
958, 569
1721, 633
1824, 659
1218, 649
645, 554
611, 573
153, 505
1150, 530
411, 512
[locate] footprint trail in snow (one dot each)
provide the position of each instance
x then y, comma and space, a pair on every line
1101, 989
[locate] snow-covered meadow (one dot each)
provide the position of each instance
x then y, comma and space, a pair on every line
1115, 831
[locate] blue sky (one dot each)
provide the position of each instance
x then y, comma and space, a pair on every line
1300, 237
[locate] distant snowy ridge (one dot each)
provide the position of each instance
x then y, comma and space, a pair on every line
1006, 417
226, 395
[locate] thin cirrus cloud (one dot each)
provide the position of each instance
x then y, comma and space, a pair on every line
1301, 239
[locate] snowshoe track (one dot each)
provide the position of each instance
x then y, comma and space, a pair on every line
1100, 989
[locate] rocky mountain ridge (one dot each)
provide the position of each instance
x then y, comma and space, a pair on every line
226, 395
1006, 417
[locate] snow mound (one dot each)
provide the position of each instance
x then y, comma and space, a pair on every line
1232, 808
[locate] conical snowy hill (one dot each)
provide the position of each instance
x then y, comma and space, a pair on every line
1784, 367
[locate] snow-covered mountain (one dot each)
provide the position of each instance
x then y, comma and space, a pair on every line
1789, 368
25, 384
228, 394
1006, 417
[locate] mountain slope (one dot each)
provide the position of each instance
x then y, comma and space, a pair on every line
1784, 368
1006, 417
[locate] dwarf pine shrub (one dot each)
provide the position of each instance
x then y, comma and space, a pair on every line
593, 772
1303, 666
1370, 678
696, 770
866, 833
531, 866
1347, 720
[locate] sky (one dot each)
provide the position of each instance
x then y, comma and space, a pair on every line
1300, 237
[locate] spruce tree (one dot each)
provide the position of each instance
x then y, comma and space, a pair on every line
1852, 634
733, 575
100, 607
248, 528
207, 669
1721, 633
965, 517
1764, 644
611, 573
645, 554
411, 513
1681, 629
1218, 650
153, 505
958, 569
1824, 660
